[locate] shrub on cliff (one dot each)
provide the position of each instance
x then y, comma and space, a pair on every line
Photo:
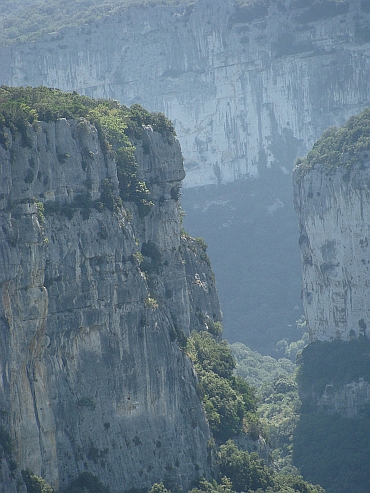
35, 484
21, 107
340, 146
230, 402
86, 483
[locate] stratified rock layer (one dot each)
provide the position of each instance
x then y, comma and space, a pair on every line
92, 376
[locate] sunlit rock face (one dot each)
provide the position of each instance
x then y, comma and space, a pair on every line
334, 223
92, 375
245, 87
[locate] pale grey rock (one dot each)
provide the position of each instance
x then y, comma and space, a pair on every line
92, 376
244, 91
334, 224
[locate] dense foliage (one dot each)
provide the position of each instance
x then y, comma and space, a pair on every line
35, 484
279, 410
86, 483
279, 403
256, 368
340, 146
118, 126
230, 402
246, 471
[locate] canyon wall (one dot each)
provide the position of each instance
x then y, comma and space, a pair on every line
92, 374
244, 87
247, 88
334, 217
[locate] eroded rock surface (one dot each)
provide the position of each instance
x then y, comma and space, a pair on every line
92, 375
334, 223
245, 87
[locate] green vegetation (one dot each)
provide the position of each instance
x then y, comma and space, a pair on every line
258, 369
117, 126
214, 328
86, 483
279, 483
28, 20
151, 303
340, 146
6, 451
230, 402
35, 484
279, 404
5, 443
246, 471
279, 410
151, 258
231, 407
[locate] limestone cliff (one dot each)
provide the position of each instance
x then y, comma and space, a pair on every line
332, 198
246, 87
92, 303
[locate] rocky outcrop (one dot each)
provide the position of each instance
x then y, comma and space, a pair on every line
246, 86
92, 375
334, 218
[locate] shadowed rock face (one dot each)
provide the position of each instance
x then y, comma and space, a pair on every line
92, 376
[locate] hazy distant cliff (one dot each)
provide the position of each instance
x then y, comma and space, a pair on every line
94, 295
245, 86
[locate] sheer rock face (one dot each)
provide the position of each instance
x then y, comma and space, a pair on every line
92, 376
245, 89
334, 222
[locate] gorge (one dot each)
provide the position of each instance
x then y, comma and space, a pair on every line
249, 87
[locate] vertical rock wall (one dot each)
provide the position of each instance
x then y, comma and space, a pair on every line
245, 88
334, 225
92, 376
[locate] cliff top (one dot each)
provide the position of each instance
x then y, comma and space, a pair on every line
27, 20
339, 147
19, 105
117, 125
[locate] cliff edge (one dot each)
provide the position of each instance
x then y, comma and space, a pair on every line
97, 285
332, 198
